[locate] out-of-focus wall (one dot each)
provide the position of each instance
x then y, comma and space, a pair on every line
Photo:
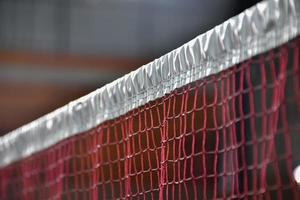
107, 27
54, 51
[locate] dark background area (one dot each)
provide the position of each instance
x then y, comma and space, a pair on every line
54, 51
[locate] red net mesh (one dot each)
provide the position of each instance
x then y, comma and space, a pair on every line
231, 135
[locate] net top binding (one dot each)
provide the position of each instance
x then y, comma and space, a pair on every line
256, 30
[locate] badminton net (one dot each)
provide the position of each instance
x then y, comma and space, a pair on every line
233, 134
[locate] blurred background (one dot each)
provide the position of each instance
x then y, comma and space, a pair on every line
54, 51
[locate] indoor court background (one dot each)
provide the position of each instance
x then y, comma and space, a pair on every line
52, 51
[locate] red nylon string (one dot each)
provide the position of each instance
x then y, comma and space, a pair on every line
234, 132
264, 120
287, 142
232, 135
224, 137
253, 132
275, 163
296, 83
215, 125
193, 130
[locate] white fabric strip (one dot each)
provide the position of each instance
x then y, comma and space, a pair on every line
258, 29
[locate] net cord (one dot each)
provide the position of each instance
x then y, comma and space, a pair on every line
258, 29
